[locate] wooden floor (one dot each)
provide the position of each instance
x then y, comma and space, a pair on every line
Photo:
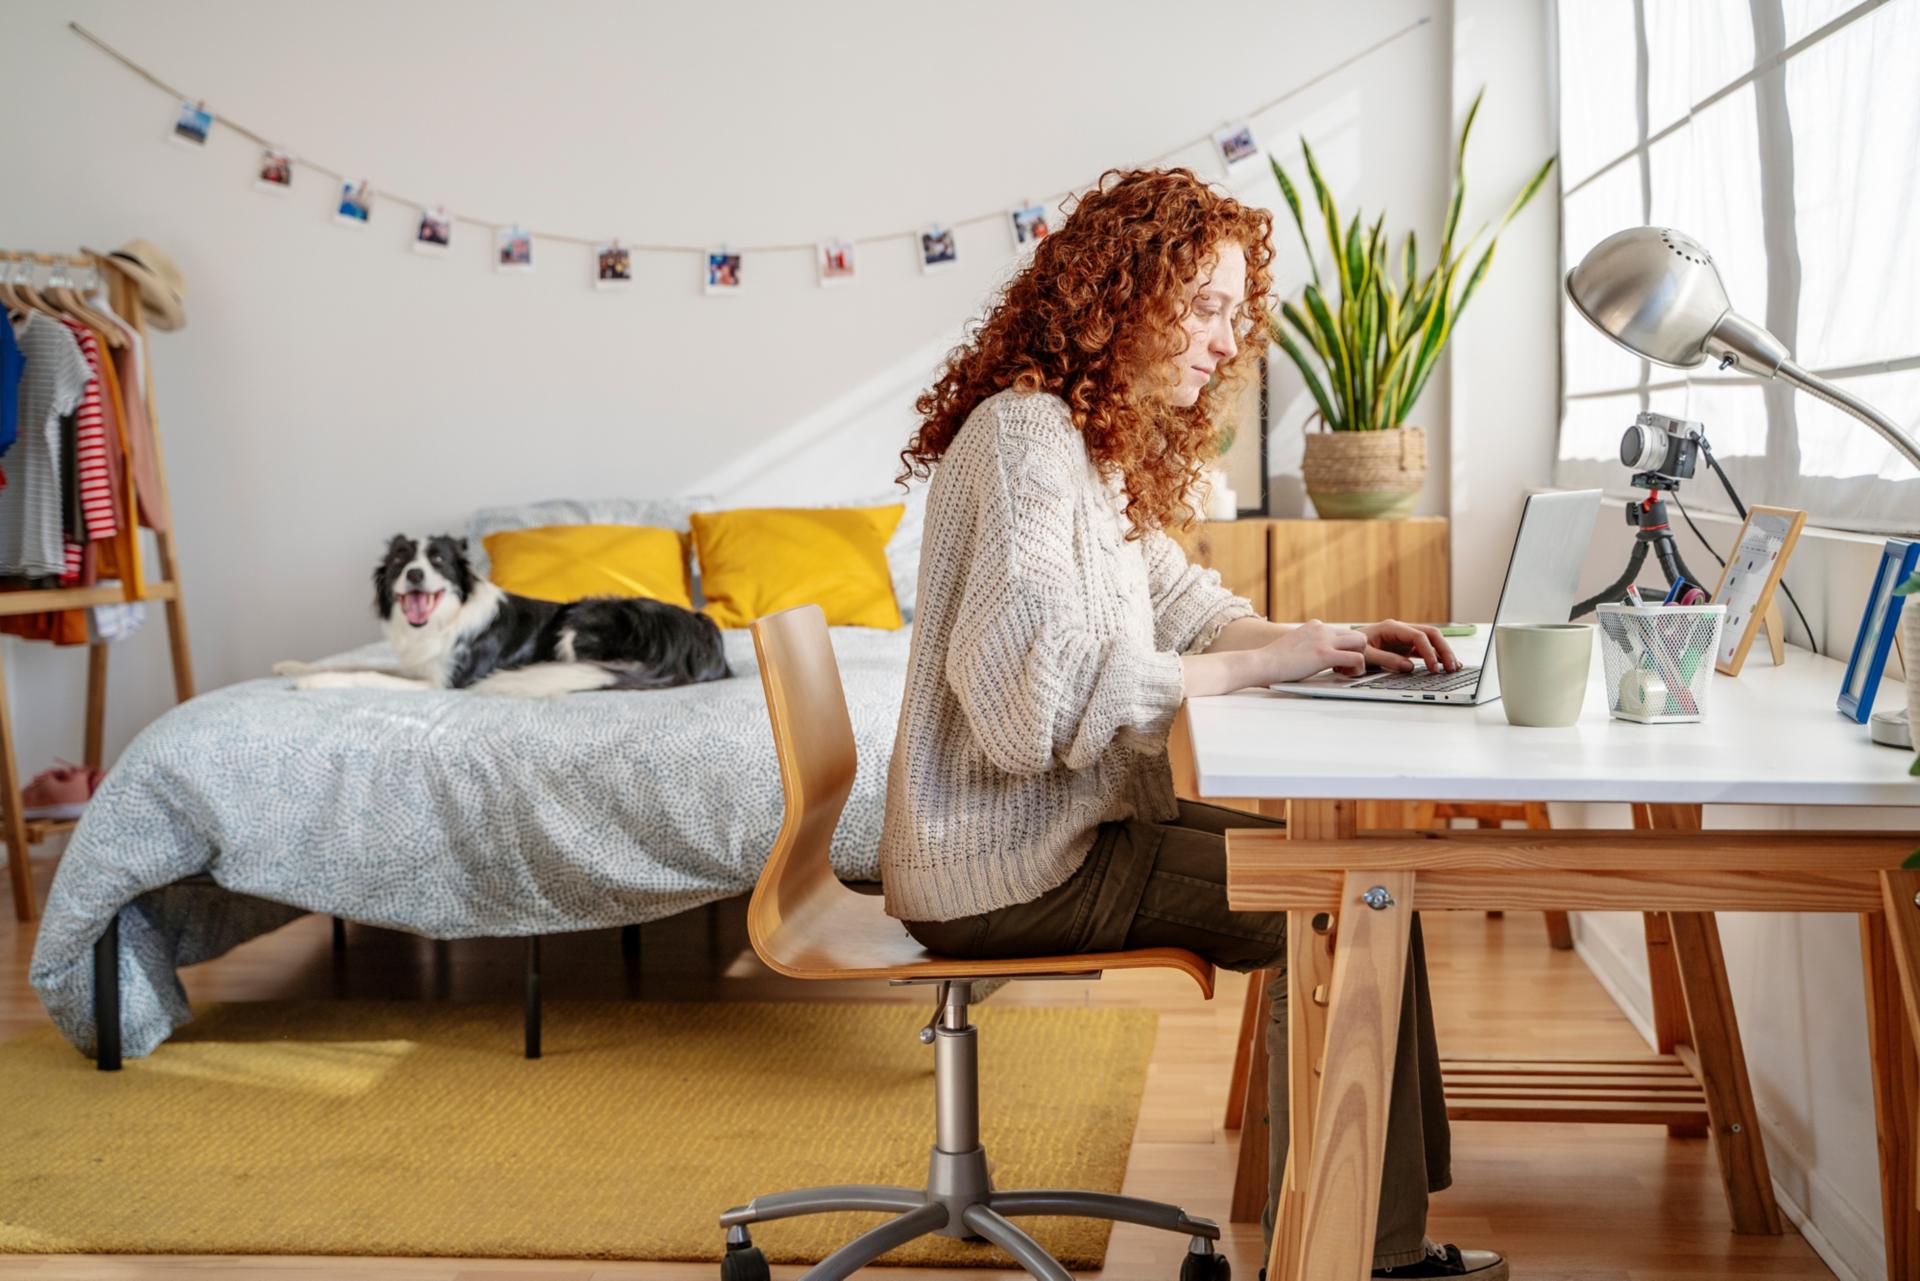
1580, 1203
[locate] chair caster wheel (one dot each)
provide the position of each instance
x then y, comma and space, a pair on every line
744, 1262
1206, 1267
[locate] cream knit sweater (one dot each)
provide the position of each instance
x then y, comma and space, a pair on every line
1044, 669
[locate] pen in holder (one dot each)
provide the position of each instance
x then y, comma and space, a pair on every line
1659, 660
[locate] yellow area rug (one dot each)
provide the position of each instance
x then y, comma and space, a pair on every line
416, 1128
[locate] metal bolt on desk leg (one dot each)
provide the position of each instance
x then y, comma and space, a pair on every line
1916, 899
1736, 1127
1377, 898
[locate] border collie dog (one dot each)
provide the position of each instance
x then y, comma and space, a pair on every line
452, 629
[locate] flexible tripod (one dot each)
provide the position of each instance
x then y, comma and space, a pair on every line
1650, 517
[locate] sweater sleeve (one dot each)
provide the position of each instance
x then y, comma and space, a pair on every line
1190, 606
1037, 687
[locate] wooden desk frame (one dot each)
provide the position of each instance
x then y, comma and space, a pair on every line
1345, 986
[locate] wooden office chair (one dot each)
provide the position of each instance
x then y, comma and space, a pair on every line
807, 925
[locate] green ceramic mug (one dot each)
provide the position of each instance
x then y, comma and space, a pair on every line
1543, 671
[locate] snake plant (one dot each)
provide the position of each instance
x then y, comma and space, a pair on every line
1366, 355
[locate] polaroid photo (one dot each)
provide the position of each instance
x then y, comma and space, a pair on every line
1236, 147
722, 271
191, 125
834, 259
275, 175
356, 204
612, 266
1029, 225
434, 235
512, 250
937, 251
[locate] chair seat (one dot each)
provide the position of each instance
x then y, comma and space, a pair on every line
840, 934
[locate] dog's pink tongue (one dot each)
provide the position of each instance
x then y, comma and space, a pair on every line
419, 606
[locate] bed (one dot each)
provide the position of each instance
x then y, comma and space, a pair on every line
441, 813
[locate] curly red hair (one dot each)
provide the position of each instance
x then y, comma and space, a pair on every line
1098, 309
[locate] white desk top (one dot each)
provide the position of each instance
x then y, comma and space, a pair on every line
1771, 737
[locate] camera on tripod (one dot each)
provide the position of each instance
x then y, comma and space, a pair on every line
1662, 451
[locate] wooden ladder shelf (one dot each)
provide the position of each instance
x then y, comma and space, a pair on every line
21, 833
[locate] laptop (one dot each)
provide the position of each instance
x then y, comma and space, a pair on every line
1543, 574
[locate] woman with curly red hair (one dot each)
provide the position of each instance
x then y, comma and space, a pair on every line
1030, 807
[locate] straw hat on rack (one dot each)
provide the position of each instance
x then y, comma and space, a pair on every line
163, 286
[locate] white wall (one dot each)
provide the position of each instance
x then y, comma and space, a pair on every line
1504, 364
332, 387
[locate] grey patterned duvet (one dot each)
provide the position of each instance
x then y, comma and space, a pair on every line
441, 813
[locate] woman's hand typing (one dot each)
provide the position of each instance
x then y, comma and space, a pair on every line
1299, 652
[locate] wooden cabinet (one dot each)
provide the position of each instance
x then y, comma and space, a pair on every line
1339, 571
1239, 549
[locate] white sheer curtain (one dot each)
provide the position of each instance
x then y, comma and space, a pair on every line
1784, 135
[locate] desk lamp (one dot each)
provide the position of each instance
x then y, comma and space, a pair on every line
1656, 292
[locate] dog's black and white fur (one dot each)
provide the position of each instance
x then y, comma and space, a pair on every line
452, 629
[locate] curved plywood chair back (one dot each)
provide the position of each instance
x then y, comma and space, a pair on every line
813, 737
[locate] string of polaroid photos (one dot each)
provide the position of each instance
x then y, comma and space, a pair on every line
1233, 144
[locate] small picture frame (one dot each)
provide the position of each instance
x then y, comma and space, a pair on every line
1236, 147
1029, 223
355, 208
834, 261
721, 271
1877, 626
512, 249
612, 266
1243, 428
191, 125
936, 248
1748, 579
434, 235
275, 174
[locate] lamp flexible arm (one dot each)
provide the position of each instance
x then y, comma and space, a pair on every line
1894, 432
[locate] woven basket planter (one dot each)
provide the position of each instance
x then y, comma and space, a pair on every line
1365, 475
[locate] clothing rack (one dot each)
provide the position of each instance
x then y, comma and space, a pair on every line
20, 832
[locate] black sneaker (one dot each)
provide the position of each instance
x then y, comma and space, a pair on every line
1448, 1261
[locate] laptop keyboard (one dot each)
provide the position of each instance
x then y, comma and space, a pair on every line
1429, 682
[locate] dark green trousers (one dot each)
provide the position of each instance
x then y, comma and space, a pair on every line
1165, 885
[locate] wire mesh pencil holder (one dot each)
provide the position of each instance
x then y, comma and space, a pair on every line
1659, 660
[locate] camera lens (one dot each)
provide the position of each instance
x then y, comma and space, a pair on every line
1643, 448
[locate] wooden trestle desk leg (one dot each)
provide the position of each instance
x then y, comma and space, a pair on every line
1250, 1161
19, 871
1247, 1088
1309, 980
1330, 1205
96, 704
1712, 1048
1670, 1031
1890, 947
1243, 1051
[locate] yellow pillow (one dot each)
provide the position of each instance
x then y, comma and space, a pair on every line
568, 562
755, 561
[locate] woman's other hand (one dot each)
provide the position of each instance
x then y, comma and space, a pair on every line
1394, 645
1309, 649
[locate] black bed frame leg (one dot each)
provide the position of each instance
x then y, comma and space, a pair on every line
339, 935
533, 997
106, 997
630, 942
